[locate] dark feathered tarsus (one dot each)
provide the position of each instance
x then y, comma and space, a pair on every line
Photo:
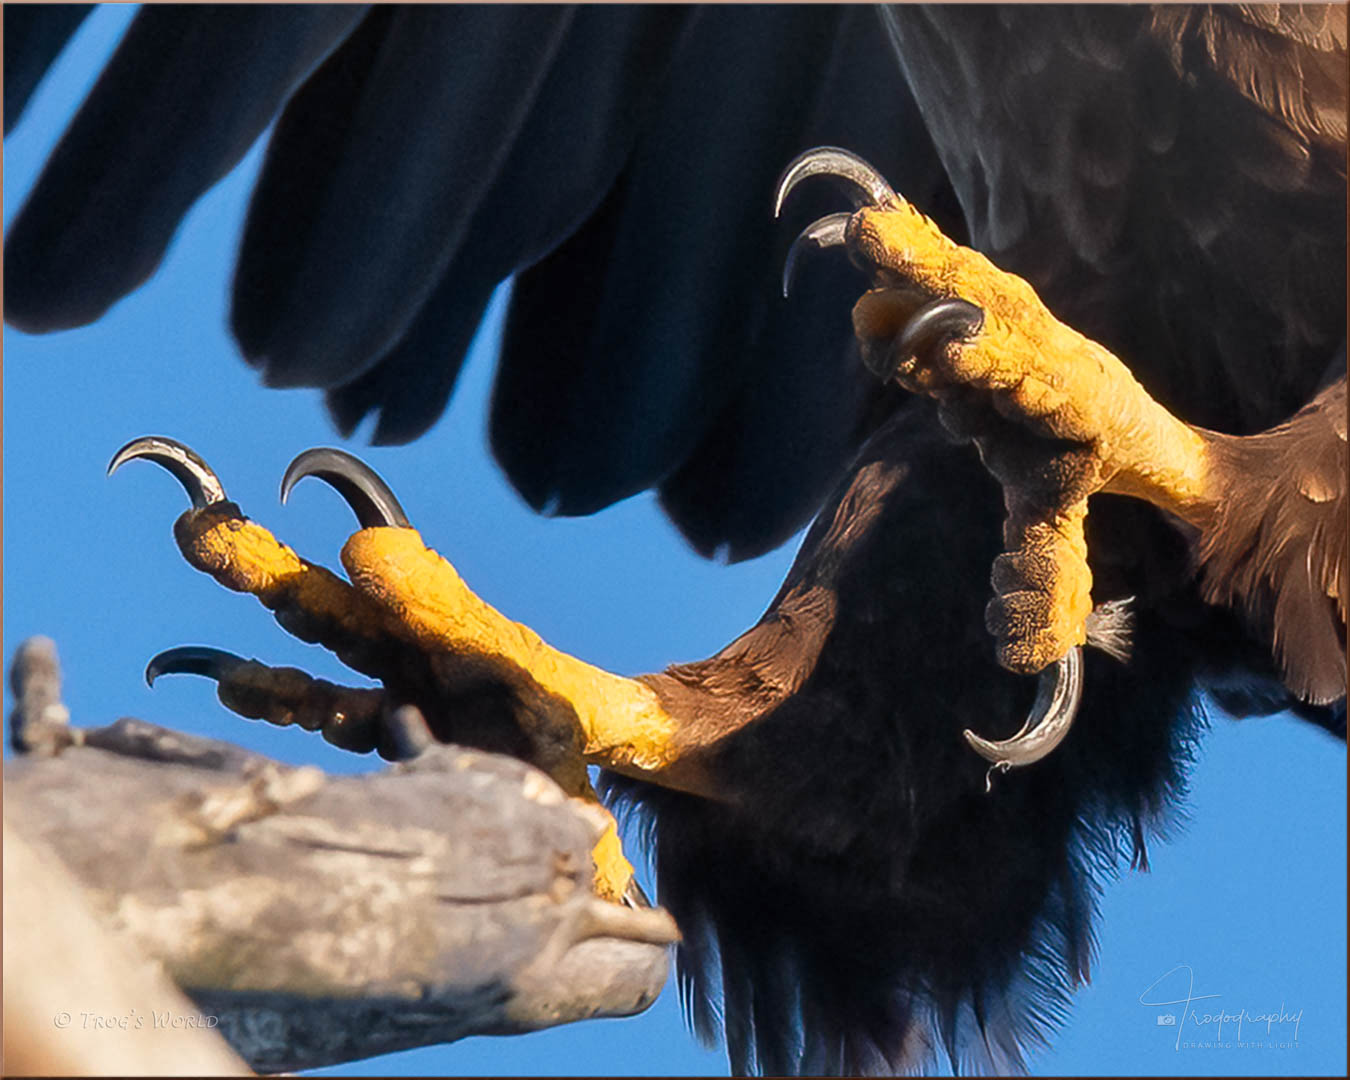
857, 899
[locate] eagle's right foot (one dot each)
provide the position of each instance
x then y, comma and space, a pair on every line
1055, 416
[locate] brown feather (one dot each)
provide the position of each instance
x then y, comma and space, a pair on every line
1278, 548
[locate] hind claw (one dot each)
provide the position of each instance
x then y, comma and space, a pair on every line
937, 322
1057, 698
193, 660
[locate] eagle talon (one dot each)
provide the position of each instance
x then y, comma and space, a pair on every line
859, 181
202, 660
935, 324
407, 733
199, 481
861, 184
1052, 714
407, 619
1015, 359
374, 504
351, 718
636, 897
825, 232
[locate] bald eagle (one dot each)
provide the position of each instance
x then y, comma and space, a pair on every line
1171, 184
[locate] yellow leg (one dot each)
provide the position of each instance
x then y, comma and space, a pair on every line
1037, 369
1055, 415
406, 605
620, 723
613, 872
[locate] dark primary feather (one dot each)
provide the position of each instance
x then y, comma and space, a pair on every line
768, 457
621, 350
1171, 180
653, 348
427, 153
188, 91
597, 93
394, 150
34, 37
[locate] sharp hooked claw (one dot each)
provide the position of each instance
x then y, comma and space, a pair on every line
822, 233
1051, 716
192, 660
359, 484
201, 484
863, 185
943, 319
407, 734
635, 896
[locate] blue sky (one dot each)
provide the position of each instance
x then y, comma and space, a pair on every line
1248, 902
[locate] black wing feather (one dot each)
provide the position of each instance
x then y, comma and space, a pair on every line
597, 93
778, 445
380, 164
654, 349
155, 133
651, 326
34, 36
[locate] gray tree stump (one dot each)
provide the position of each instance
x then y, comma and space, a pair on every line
322, 919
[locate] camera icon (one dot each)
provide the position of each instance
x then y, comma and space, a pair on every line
1167, 1020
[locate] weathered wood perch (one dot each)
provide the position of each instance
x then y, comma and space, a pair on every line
322, 918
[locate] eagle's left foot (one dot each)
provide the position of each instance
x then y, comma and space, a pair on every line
1056, 416
451, 666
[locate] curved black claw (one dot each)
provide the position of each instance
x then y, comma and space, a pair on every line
822, 233
359, 484
1051, 716
863, 185
201, 484
192, 660
407, 734
636, 897
940, 320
